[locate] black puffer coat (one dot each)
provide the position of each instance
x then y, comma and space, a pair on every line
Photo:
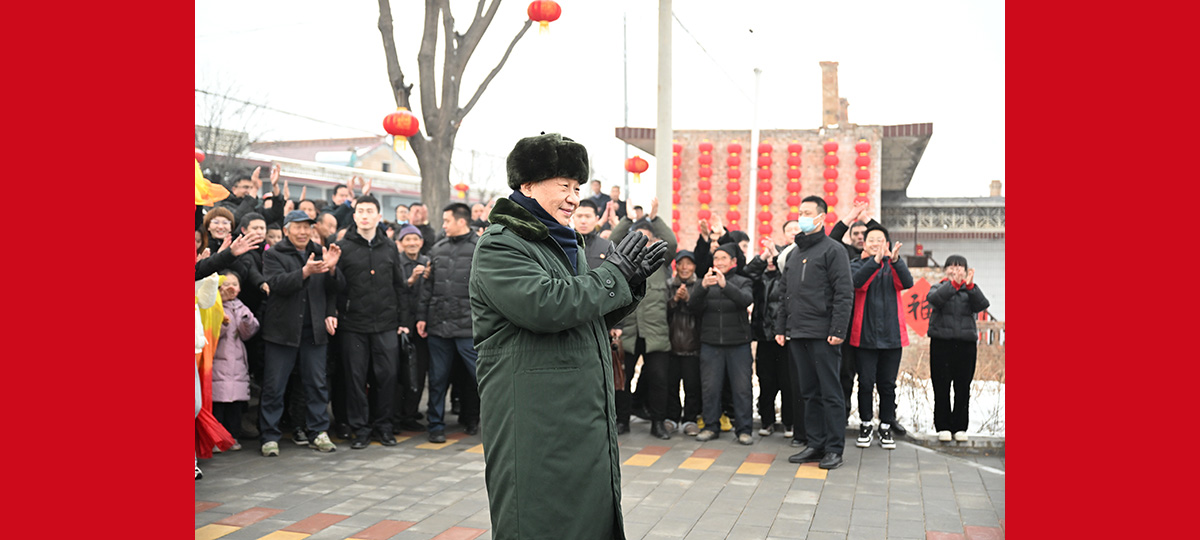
767, 300
879, 321
683, 319
816, 288
724, 320
374, 283
954, 310
445, 303
283, 316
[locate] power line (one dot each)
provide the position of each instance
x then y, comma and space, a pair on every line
261, 106
710, 57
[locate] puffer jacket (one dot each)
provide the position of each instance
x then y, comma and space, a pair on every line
725, 321
231, 366
408, 308
374, 286
649, 320
878, 310
283, 315
683, 318
954, 310
816, 289
445, 303
767, 300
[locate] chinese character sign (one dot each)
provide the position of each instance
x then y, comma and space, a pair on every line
916, 308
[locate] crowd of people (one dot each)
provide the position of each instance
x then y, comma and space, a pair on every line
339, 320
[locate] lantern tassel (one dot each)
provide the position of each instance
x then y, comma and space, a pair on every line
545, 27
399, 143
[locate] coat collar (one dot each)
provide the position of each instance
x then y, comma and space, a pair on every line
521, 221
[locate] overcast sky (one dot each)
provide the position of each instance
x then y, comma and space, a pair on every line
899, 63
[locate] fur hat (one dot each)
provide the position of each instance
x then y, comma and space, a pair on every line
546, 156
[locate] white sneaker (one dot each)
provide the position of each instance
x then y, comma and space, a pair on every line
944, 436
787, 432
767, 430
270, 448
960, 436
671, 426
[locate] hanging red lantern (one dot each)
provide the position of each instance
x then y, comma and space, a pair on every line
764, 174
765, 200
794, 161
462, 190
831, 187
862, 174
637, 166
675, 215
675, 198
862, 161
544, 12
831, 200
703, 213
793, 175
862, 184
862, 188
862, 199
764, 148
734, 148
706, 147
793, 187
795, 148
676, 173
764, 216
831, 147
733, 174
199, 155
764, 187
706, 160
704, 185
733, 161
705, 198
764, 229
401, 125
733, 199
733, 186
675, 160
831, 160
764, 161
675, 185
733, 216
862, 147
676, 147
830, 174
794, 200
705, 171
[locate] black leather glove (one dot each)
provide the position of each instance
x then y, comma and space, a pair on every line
628, 257
653, 257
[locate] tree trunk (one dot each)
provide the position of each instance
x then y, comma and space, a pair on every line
435, 179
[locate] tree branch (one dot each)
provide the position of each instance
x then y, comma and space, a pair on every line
450, 66
475, 32
479, 91
425, 59
401, 91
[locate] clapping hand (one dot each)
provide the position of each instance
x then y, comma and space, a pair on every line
254, 179
710, 278
331, 257
652, 257
896, 252
970, 276
275, 170
244, 243
628, 257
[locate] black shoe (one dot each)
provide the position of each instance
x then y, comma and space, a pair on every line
643, 413
438, 436
343, 432
864, 436
299, 437
386, 438
899, 429
808, 455
408, 425
456, 407
657, 429
831, 461
799, 442
622, 428
360, 442
472, 429
885, 438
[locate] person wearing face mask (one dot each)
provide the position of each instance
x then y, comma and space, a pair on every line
541, 328
952, 338
878, 330
813, 320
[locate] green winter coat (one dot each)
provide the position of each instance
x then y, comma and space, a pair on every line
548, 419
649, 321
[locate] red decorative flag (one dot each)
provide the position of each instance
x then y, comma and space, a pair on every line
916, 307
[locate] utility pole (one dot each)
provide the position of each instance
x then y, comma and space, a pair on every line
752, 215
663, 133
625, 60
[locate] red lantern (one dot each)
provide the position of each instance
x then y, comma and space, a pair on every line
733, 215
862, 174
795, 148
734, 148
676, 160
733, 199
544, 12
764, 148
704, 185
862, 188
705, 198
831, 186
706, 159
794, 161
676, 147
401, 125
764, 174
830, 174
862, 199
831, 200
675, 227
675, 185
675, 198
862, 161
793, 174
794, 200
734, 174
764, 216
793, 187
637, 166
831, 147
862, 147
733, 161
831, 218
764, 161
733, 187
705, 172
462, 190
764, 229
675, 214
764, 199
199, 156
764, 187
831, 160
706, 147
676, 173
703, 213
793, 216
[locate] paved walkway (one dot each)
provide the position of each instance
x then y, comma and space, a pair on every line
671, 489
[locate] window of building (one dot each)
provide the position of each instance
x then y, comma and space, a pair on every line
387, 166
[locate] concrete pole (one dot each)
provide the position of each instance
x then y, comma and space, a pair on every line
751, 217
663, 133
625, 67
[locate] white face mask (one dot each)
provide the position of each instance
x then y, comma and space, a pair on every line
808, 225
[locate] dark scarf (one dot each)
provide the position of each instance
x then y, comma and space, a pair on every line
563, 235
805, 241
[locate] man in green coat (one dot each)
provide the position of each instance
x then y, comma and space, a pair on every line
541, 324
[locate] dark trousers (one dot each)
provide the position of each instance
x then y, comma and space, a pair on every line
229, 414
877, 369
798, 432
685, 369
849, 369
370, 359
280, 360
336, 376
716, 362
951, 363
409, 403
771, 366
441, 357
651, 383
818, 365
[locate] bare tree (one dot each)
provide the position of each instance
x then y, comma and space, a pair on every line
440, 120
223, 131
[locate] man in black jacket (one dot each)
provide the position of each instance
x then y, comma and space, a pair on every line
243, 196
369, 323
444, 317
586, 217
814, 319
722, 298
297, 322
